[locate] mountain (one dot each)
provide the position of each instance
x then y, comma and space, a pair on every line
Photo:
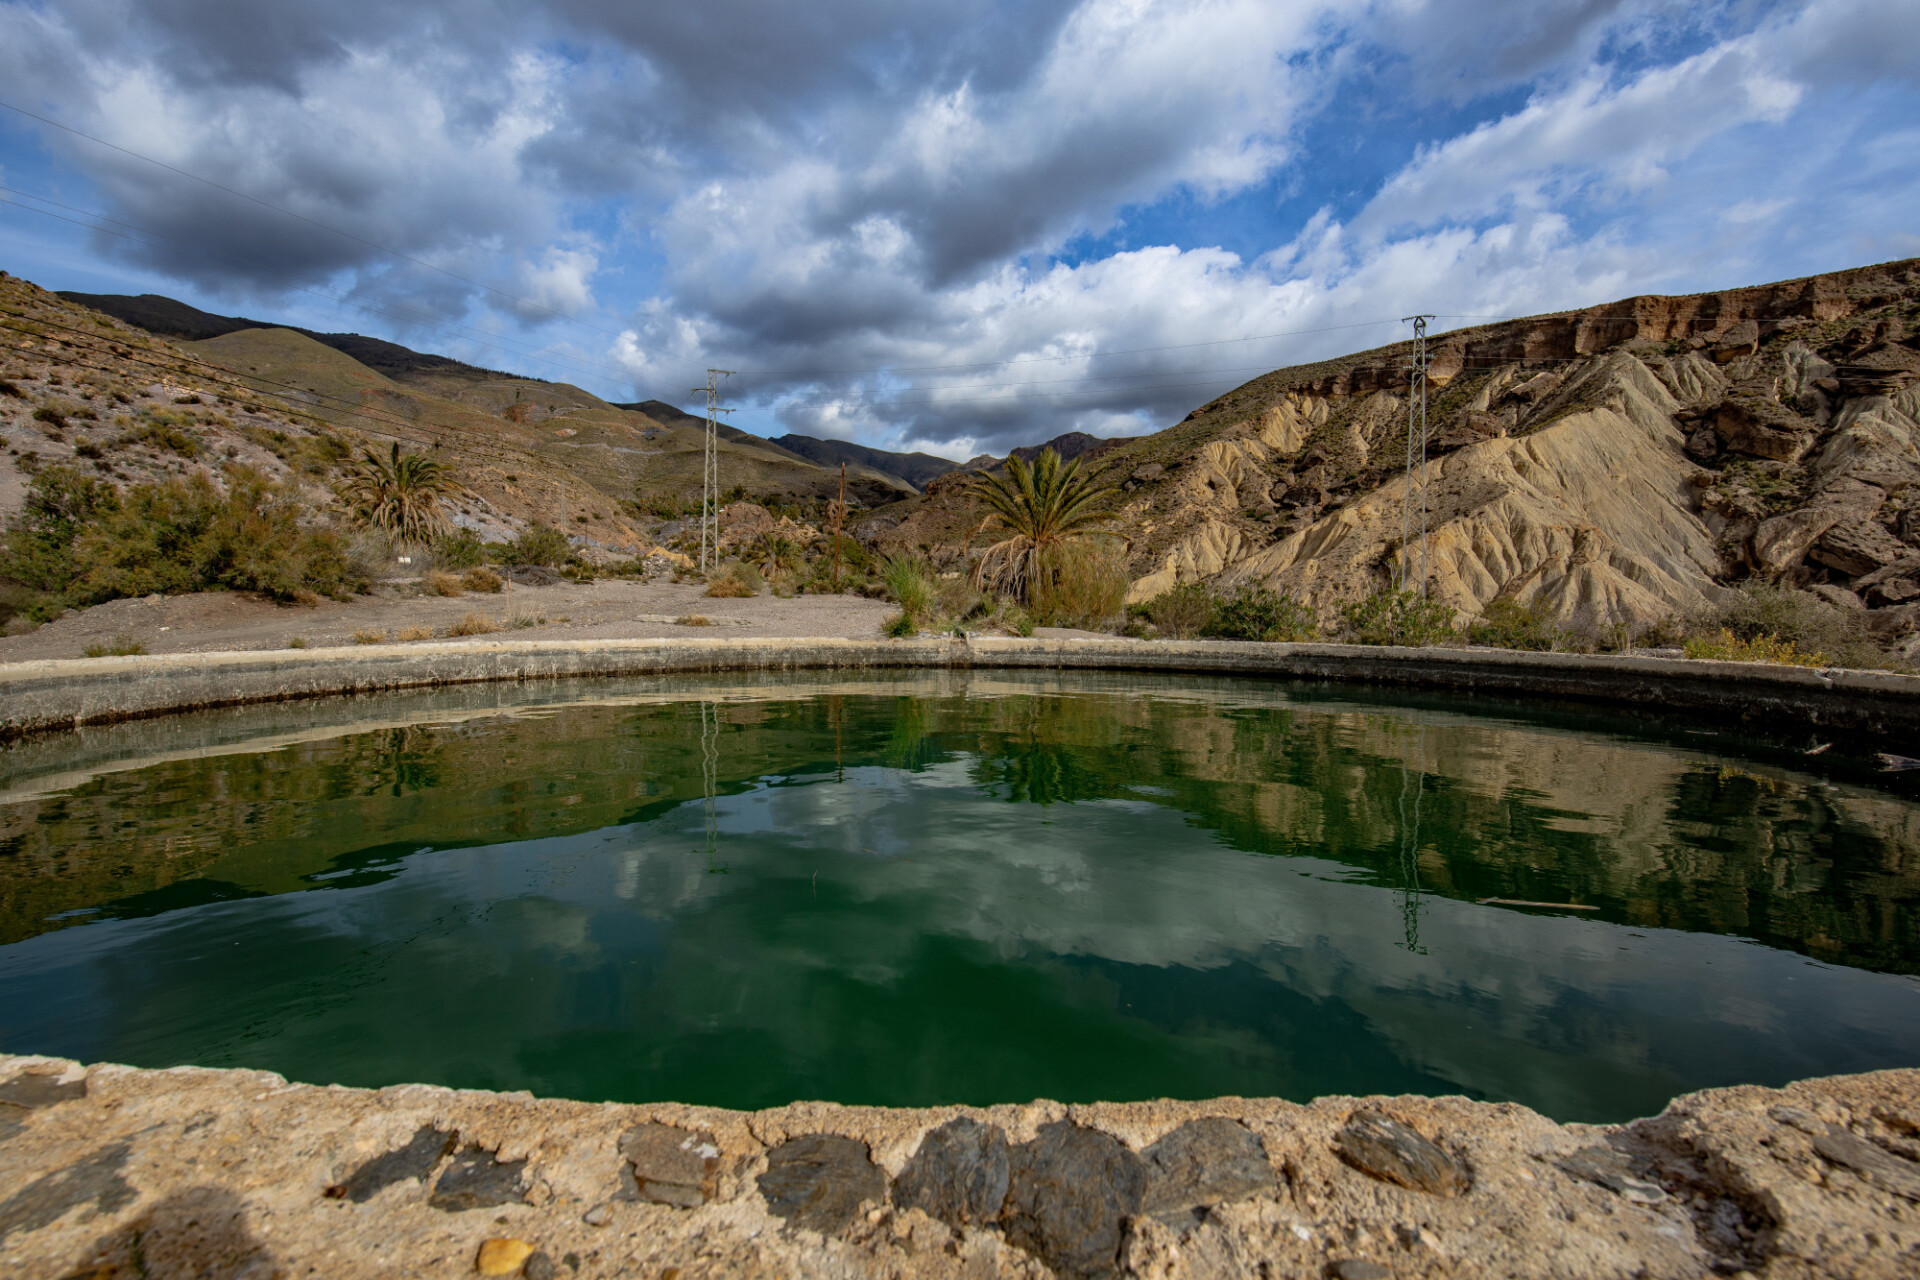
1074, 444
174, 319
1612, 466
914, 468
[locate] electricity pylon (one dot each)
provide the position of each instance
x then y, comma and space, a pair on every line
1413, 507
710, 468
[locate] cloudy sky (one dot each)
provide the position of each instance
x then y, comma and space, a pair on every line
955, 225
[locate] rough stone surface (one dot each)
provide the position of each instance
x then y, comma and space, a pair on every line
191, 1172
1203, 1163
958, 1174
474, 1179
672, 1165
820, 1180
1070, 1194
1395, 1152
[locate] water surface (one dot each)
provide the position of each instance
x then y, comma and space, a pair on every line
972, 888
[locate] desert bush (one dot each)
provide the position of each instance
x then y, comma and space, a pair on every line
460, 549
734, 581
78, 542
694, 620
158, 435
298, 642
1015, 621
899, 626
473, 625
1181, 613
910, 584
1507, 624
439, 582
121, 646
1261, 613
367, 635
1727, 647
540, 544
481, 578
1397, 617
1080, 582
415, 633
1796, 619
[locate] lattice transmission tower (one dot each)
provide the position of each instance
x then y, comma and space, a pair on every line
710, 470
1413, 509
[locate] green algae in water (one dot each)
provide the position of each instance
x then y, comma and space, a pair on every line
976, 889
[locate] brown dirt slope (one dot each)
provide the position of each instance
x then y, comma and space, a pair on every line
1617, 464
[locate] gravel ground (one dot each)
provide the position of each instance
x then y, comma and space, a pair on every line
611, 609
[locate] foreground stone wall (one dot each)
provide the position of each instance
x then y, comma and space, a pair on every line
110, 1171
52, 694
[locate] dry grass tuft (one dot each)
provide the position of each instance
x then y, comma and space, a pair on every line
473, 625
415, 633
367, 636
729, 584
482, 579
439, 582
694, 620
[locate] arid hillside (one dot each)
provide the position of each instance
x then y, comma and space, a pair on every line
524, 450
1616, 465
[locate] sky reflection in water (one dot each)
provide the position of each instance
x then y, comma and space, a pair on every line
997, 889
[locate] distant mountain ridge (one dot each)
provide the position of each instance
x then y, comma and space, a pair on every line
172, 318
917, 469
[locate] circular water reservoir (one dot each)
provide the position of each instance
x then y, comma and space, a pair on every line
960, 887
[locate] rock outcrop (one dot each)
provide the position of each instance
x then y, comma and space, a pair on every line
117, 1172
1616, 465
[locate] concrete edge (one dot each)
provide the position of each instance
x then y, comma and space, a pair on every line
51, 694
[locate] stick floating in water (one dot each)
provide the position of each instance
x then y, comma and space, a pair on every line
1521, 902
1891, 763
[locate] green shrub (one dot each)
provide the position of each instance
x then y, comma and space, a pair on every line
1397, 617
77, 542
541, 544
121, 646
1507, 624
460, 549
1260, 613
910, 582
1727, 647
899, 626
1081, 583
1183, 612
1796, 619
160, 435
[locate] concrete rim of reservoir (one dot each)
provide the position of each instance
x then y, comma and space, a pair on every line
50, 694
118, 1171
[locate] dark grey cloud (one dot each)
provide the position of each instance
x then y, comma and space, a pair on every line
853, 184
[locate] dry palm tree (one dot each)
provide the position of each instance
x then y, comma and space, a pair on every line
1042, 508
401, 494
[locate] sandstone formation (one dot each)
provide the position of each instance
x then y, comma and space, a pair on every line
1617, 465
117, 1172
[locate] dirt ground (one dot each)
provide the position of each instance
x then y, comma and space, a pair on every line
609, 609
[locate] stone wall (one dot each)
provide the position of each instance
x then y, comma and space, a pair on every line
116, 1172
52, 694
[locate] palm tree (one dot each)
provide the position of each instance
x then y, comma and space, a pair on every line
401, 494
1042, 508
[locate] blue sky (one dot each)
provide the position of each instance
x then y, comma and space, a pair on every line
959, 225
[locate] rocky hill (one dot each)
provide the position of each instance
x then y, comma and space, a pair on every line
1614, 465
106, 381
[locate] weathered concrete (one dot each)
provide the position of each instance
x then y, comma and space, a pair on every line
42, 695
115, 1172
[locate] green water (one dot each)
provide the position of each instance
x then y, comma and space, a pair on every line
965, 888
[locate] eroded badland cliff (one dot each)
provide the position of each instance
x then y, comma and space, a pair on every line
1617, 465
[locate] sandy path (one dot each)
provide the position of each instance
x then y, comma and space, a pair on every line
610, 609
